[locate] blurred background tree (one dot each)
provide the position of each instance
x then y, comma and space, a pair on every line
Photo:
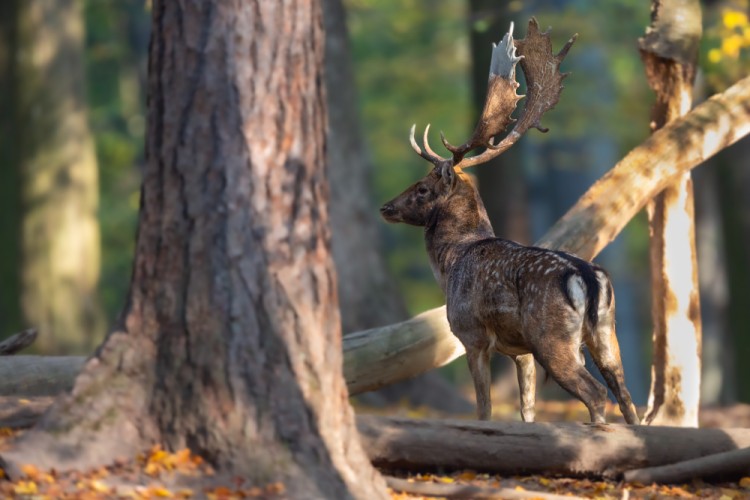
50, 179
421, 61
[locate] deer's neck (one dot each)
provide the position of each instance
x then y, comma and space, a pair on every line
458, 222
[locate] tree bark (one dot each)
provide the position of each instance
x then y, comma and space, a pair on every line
670, 53
571, 449
55, 158
230, 341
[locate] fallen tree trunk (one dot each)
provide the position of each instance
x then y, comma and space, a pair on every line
726, 465
574, 449
38, 375
381, 356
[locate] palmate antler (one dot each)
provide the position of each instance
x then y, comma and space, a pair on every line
544, 85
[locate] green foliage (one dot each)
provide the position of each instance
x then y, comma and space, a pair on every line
114, 60
411, 62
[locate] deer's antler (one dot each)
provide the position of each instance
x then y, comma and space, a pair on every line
544, 85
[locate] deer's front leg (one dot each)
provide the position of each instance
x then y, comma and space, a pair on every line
526, 371
479, 366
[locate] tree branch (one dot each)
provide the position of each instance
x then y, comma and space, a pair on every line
729, 464
17, 342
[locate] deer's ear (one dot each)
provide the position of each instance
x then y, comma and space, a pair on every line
448, 175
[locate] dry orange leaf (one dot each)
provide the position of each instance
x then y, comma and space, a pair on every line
467, 475
745, 482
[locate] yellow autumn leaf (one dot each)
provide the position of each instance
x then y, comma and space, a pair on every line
544, 481
25, 488
98, 486
161, 492
745, 482
444, 479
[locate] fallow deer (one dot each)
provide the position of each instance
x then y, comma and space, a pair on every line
528, 303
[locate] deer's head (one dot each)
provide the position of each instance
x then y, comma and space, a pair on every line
446, 179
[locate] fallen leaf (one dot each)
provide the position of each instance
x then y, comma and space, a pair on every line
446, 479
467, 475
25, 488
745, 482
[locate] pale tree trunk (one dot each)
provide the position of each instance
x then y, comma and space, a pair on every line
669, 51
60, 246
230, 341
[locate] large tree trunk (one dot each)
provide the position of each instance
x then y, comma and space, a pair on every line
509, 448
670, 53
58, 177
230, 338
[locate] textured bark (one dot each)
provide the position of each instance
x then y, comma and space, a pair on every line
508, 448
670, 53
230, 338
58, 177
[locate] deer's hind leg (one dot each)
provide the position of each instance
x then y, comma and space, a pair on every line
560, 354
605, 351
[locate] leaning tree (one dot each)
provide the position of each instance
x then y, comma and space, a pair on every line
229, 342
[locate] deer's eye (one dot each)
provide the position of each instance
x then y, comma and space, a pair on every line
422, 191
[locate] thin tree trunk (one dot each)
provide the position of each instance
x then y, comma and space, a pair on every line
10, 174
670, 53
230, 338
60, 245
368, 293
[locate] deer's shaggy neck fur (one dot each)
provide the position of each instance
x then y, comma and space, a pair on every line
455, 223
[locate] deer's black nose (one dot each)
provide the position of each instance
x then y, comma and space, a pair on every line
387, 209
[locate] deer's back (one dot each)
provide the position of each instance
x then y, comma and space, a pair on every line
520, 292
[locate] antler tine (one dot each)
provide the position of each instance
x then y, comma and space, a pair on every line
543, 87
426, 142
428, 154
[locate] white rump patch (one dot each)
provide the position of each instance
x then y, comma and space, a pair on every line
577, 292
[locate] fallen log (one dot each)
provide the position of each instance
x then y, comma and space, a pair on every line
508, 448
727, 465
382, 356
38, 375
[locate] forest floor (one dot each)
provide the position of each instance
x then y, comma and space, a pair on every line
162, 474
